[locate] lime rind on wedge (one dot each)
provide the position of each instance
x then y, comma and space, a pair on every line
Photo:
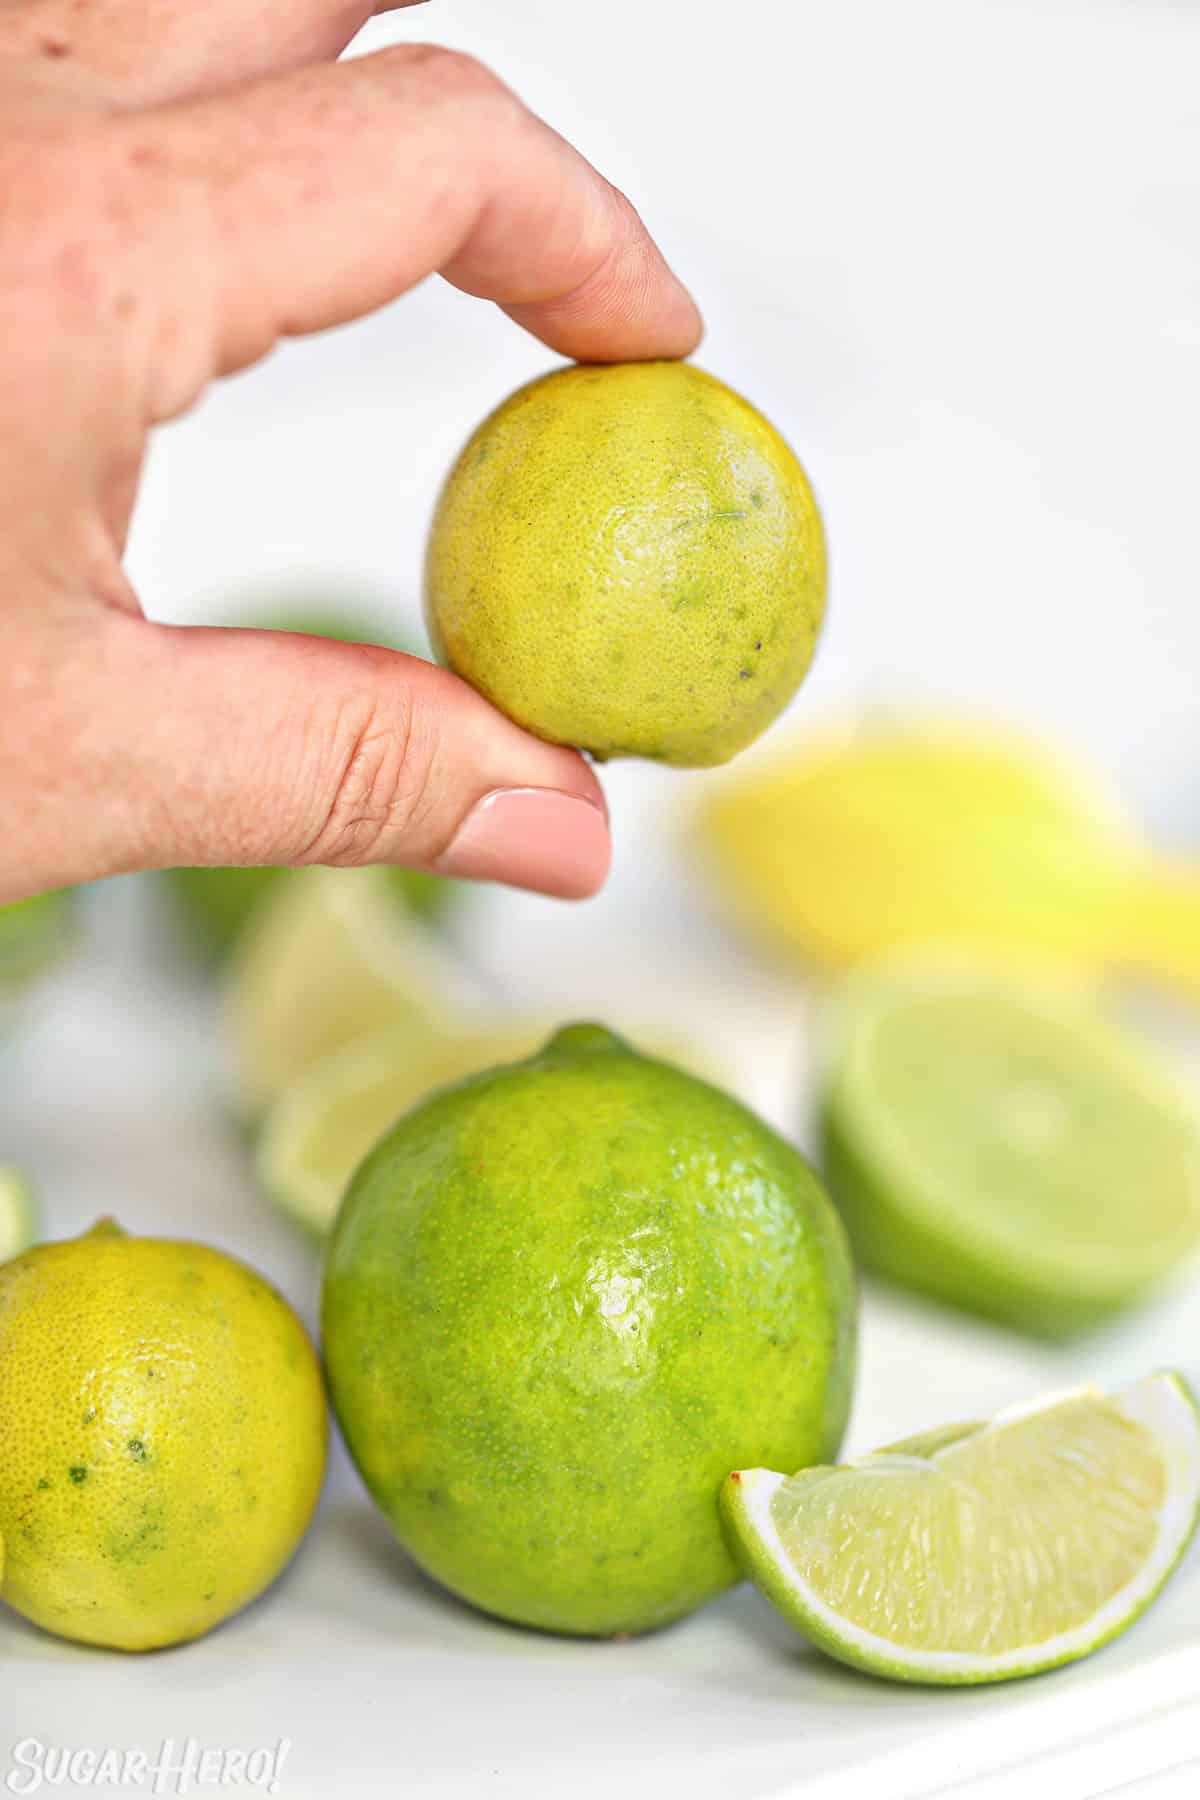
1014, 1547
16, 1214
999, 1145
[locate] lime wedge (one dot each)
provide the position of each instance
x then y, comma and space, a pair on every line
316, 1135
16, 1214
329, 958
1014, 1547
1002, 1148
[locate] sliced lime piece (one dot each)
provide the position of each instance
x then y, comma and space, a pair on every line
316, 1135
999, 1147
16, 1214
329, 958
1012, 1548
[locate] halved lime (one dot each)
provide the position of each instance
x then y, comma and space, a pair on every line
330, 958
316, 1135
16, 1214
997, 1145
1013, 1547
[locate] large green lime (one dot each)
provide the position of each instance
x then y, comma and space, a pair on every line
629, 559
562, 1300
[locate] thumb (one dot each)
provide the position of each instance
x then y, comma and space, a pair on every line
212, 746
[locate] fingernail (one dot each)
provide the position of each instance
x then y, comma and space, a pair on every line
536, 838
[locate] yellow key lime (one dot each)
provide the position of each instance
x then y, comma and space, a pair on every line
164, 1429
629, 559
986, 1551
562, 1299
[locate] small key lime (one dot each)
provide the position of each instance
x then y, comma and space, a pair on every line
629, 559
164, 1429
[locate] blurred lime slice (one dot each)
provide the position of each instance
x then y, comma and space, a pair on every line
1002, 1148
320, 1129
217, 904
33, 935
898, 834
316, 1135
329, 959
16, 1214
1008, 1548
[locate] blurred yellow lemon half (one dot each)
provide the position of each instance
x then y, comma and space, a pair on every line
329, 958
896, 835
629, 559
164, 1430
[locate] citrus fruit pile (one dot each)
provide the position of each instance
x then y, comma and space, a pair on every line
589, 1324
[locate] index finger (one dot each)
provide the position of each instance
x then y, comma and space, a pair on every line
303, 202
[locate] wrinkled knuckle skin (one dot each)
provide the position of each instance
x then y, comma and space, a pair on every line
381, 792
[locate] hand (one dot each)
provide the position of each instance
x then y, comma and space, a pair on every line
181, 186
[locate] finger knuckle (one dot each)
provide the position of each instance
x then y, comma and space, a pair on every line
380, 796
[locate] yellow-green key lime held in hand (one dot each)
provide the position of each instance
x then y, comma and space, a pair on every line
164, 1430
629, 559
562, 1300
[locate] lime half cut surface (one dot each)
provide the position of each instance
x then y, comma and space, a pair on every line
1008, 1548
997, 1144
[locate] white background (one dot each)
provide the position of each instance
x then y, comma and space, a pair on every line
953, 249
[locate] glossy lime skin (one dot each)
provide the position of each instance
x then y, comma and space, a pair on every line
562, 1300
629, 559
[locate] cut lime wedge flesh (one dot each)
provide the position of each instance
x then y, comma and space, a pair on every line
997, 1146
316, 1135
1013, 1547
16, 1214
328, 959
